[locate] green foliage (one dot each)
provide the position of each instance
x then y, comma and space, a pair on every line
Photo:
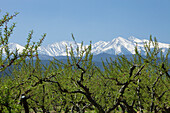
14, 57
125, 85
11, 86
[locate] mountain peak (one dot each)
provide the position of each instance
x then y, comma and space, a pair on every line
117, 46
133, 39
118, 39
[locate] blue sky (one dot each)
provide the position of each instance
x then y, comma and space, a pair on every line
89, 20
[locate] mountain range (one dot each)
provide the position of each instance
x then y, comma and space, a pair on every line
117, 46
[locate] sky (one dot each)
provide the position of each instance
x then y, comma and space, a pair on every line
88, 20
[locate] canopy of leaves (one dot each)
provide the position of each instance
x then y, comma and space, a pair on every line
125, 85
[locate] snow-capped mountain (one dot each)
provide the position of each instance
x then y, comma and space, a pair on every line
13, 47
116, 46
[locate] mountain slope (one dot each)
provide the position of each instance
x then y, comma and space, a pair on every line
117, 46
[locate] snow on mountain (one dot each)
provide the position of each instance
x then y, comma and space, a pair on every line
119, 46
59, 48
13, 47
116, 46
135, 40
97, 48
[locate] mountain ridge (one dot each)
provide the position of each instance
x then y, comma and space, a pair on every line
117, 46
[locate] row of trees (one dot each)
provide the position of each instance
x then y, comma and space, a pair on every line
126, 85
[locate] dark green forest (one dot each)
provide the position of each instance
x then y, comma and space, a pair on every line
127, 85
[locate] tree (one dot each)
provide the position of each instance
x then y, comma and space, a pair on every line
8, 98
139, 83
